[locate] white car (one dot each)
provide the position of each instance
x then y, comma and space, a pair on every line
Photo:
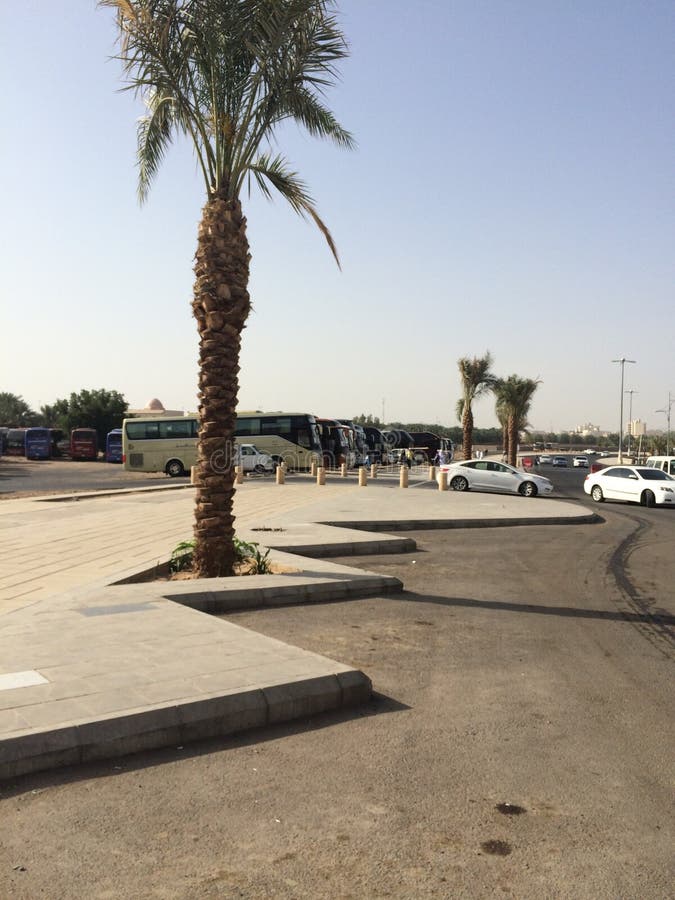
632, 484
545, 458
487, 475
580, 462
248, 456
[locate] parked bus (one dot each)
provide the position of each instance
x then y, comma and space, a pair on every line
57, 442
16, 442
84, 443
428, 444
170, 445
378, 449
334, 443
160, 444
38, 443
358, 441
291, 438
113, 446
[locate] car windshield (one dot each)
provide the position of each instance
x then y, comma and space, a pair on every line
654, 475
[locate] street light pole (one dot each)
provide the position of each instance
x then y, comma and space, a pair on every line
630, 391
671, 400
623, 362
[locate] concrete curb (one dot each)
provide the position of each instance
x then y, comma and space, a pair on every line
174, 725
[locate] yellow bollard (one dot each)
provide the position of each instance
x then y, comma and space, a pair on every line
373, 471
281, 474
343, 470
443, 481
313, 468
432, 473
193, 474
321, 475
239, 474
363, 478
403, 482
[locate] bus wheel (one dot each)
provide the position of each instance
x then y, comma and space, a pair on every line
174, 468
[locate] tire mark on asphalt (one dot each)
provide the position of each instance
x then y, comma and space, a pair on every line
653, 626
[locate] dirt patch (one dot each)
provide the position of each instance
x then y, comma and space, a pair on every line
244, 568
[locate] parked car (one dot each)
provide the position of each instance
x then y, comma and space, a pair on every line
487, 475
560, 461
632, 484
248, 456
580, 462
545, 459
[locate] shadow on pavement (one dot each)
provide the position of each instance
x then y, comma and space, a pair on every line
378, 704
662, 617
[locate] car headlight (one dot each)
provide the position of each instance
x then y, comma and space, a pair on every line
667, 490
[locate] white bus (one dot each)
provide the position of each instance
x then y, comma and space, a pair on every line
162, 444
291, 438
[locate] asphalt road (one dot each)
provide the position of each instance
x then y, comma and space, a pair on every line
520, 744
19, 477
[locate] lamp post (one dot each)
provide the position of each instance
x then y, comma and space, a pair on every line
671, 400
630, 391
623, 362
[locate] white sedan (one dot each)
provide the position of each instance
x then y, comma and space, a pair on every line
486, 475
632, 484
580, 462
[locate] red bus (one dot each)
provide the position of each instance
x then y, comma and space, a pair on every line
83, 443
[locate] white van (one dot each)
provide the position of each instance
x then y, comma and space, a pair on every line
248, 456
665, 463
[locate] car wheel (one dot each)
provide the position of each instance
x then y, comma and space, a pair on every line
648, 499
459, 483
596, 493
528, 489
174, 468
259, 469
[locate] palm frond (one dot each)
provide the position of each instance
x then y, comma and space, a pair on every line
275, 172
154, 134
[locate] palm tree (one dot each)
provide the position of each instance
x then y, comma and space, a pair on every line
477, 379
514, 399
225, 74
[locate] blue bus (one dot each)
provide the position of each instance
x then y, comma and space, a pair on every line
38, 442
113, 446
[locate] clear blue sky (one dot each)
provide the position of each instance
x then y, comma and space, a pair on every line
512, 191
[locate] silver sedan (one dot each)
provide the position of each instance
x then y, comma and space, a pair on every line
487, 475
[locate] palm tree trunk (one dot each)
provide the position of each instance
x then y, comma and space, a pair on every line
505, 440
221, 306
467, 431
513, 441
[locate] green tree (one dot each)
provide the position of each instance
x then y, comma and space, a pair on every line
15, 411
477, 380
513, 401
226, 74
99, 409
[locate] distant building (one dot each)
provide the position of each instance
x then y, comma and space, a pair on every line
155, 408
588, 429
637, 428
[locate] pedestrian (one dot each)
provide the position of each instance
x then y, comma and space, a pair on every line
409, 458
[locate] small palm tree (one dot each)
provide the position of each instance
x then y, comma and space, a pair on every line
477, 380
225, 74
513, 401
